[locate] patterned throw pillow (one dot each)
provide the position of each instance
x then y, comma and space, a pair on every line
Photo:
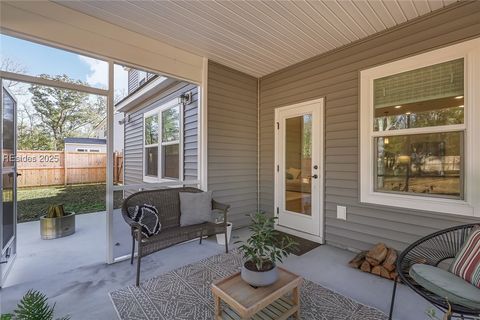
467, 262
147, 216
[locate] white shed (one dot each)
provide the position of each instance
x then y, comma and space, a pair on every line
85, 145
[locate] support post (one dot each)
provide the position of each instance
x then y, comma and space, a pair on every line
110, 132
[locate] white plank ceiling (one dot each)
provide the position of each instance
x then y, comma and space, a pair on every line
257, 37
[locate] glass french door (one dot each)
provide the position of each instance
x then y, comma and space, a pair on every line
299, 168
8, 183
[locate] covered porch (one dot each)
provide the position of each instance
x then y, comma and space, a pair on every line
353, 123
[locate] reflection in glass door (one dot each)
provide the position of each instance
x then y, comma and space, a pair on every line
298, 164
8, 182
299, 169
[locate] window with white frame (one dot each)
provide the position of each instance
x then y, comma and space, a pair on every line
418, 119
163, 142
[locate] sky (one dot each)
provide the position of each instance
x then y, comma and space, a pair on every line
38, 59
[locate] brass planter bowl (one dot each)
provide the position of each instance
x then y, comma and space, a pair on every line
52, 228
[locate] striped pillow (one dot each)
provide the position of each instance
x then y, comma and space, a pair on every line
467, 262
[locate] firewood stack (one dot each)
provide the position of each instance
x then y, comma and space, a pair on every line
379, 260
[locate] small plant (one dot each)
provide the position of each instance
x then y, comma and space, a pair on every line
264, 248
55, 211
33, 306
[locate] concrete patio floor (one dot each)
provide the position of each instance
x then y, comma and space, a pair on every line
87, 246
83, 292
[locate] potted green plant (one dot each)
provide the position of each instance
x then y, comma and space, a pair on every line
33, 306
57, 223
263, 250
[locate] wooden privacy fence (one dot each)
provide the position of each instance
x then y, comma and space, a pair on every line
49, 168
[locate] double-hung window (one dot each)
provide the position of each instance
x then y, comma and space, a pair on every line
420, 125
163, 143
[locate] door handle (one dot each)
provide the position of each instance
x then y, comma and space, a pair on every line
315, 176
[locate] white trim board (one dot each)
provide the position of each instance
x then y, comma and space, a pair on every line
52, 83
110, 132
202, 171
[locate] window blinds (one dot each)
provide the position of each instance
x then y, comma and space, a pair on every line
433, 82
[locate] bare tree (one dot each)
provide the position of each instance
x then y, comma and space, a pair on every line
9, 65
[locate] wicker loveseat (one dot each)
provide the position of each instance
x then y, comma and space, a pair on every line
167, 202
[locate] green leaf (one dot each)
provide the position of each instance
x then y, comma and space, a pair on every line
34, 306
263, 247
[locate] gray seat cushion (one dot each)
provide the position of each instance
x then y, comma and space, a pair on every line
446, 285
195, 208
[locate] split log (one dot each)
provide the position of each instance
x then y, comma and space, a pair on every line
377, 254
393, 275
381, 271
390, 260
365, 267
380, 260
357, 261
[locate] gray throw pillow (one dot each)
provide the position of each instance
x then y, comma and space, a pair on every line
195, 208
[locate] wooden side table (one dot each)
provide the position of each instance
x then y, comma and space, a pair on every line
246, 302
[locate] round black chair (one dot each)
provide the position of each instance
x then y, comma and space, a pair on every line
432, 250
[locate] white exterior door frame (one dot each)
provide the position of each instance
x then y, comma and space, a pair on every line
305, 226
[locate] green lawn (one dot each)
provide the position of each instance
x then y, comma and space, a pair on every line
33, 202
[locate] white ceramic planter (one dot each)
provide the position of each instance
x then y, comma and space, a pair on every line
221, 236
259, 279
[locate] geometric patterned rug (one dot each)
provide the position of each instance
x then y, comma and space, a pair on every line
184, 294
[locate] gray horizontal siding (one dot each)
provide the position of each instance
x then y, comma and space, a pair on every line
132, 80
134, 134
232, 140
335, 77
